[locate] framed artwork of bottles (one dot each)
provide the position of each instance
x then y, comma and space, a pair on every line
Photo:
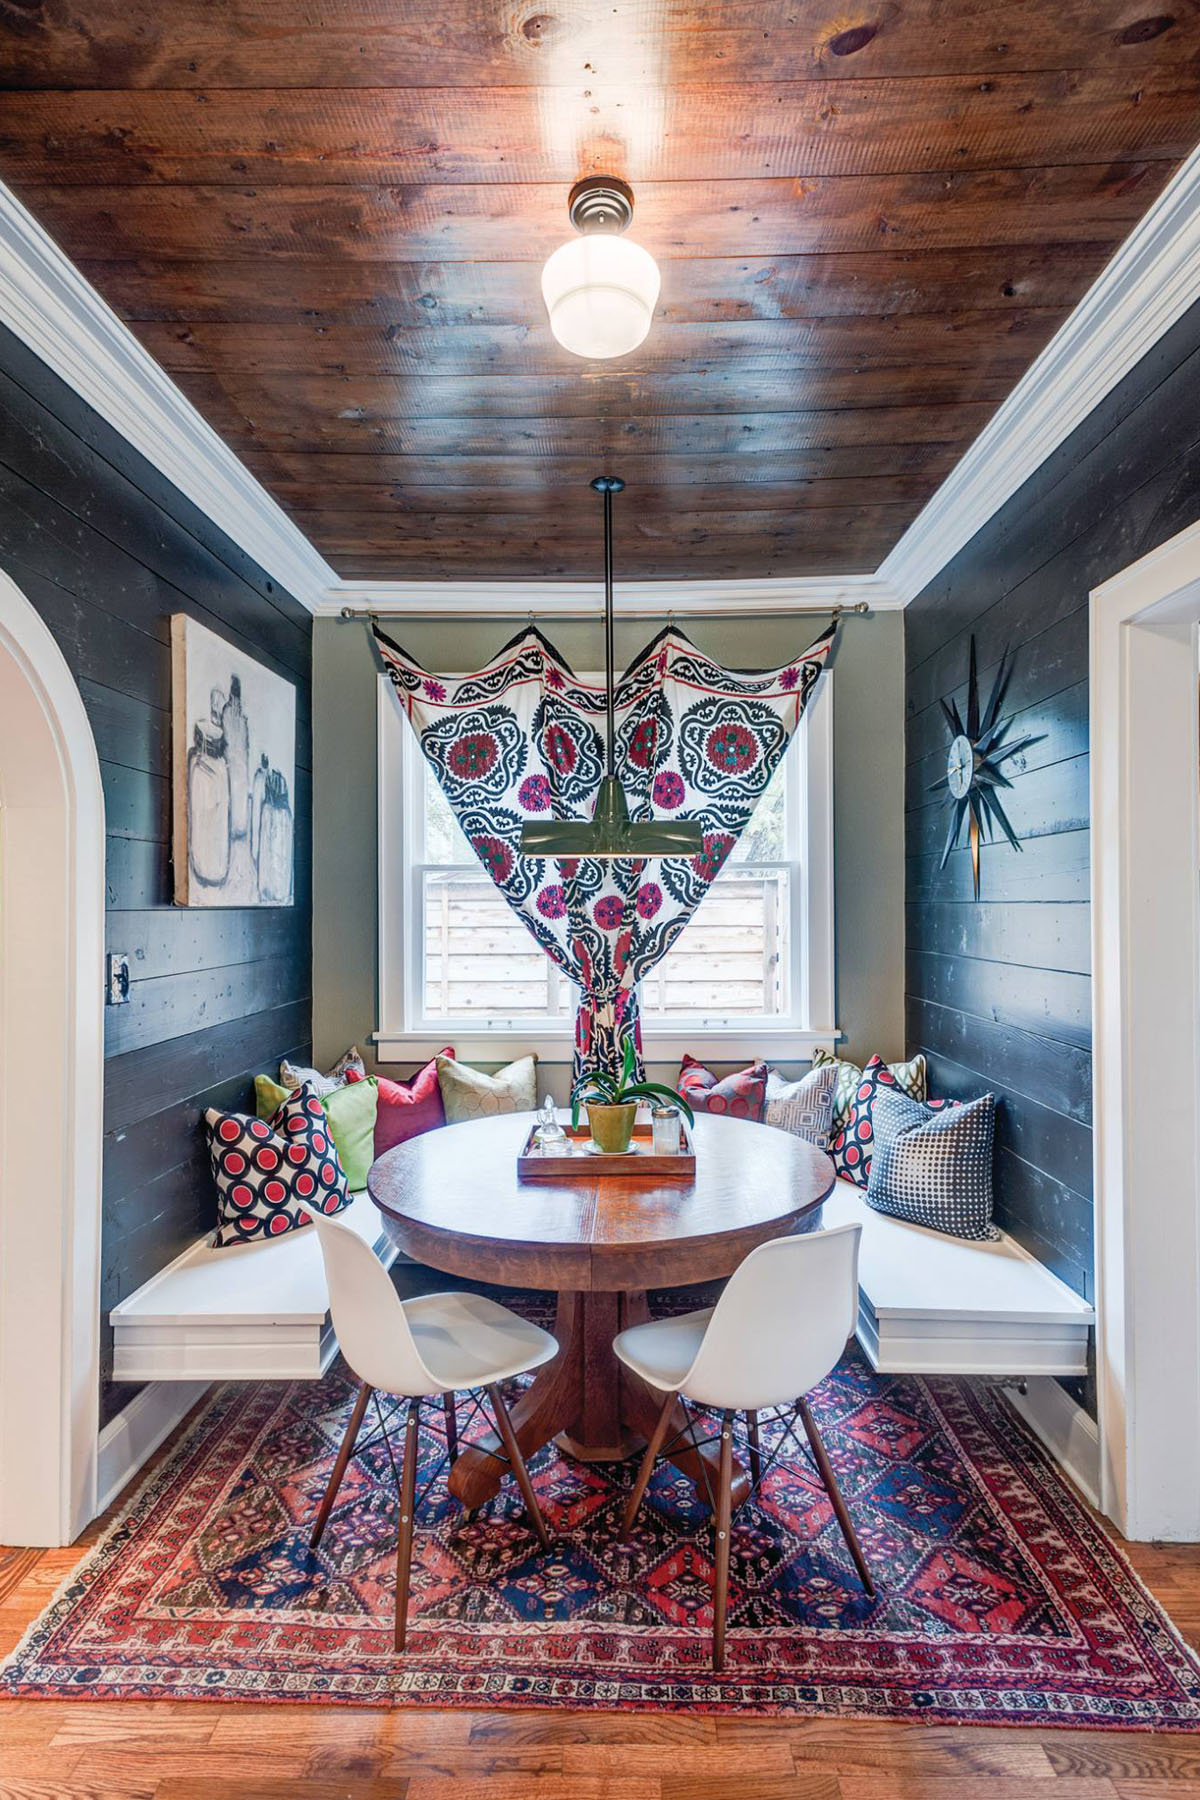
233, 728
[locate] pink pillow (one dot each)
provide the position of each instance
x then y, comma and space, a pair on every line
740, 1096
407, 1108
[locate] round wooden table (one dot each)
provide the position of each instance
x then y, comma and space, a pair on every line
451, 1198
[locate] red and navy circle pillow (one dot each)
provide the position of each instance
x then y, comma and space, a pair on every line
740, 1096
851, 1145
263, 1167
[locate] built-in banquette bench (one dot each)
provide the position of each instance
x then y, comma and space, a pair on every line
246, 1312
928, 1304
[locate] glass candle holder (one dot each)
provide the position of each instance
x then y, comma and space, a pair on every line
664, 1125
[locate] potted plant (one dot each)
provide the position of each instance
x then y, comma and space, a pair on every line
611, 1102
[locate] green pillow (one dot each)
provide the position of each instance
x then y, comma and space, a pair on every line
269, 1096
351, 1111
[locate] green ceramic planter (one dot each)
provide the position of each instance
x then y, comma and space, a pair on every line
611, 1126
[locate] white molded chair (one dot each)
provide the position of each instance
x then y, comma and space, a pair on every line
777, 1330
414, 1349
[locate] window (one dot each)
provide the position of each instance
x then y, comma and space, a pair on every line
753, 967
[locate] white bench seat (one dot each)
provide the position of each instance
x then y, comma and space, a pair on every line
245, 1312
936, 1305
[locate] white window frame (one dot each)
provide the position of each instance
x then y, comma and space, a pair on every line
403, 1036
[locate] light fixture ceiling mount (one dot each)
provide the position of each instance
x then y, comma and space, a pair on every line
600, 288
600, 203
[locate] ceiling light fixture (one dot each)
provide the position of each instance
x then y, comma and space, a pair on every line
610, 832
600, 290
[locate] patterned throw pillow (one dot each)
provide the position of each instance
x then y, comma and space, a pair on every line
852, 1142
740, 1096
803, 1107
910, 1076
349, 1067
407, 1108
262, 1168
351, 1112
470, 1094
934, 1168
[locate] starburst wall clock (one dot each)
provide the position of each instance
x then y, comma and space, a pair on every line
974, 766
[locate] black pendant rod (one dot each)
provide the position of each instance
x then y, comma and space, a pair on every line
608, 485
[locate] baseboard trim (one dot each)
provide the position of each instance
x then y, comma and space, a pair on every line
130, 1439
1070, 1435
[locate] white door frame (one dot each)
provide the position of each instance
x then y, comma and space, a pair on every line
51, 1085
1145, 745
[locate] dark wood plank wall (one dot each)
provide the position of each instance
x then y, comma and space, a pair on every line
998, 992
107, 550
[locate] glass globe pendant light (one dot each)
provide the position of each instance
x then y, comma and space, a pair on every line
610, 832
600, 290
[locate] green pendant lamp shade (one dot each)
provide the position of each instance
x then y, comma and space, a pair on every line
610, 832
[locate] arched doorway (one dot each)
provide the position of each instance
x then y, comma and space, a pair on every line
51, 1085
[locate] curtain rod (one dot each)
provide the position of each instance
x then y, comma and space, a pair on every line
373, 615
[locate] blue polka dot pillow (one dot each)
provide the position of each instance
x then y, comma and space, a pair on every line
934, 1168
262, 1167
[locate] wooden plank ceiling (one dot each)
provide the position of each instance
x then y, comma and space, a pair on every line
328, 222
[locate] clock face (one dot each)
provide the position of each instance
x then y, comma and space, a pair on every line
960, 767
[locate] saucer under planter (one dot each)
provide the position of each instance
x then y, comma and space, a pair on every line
612, 1126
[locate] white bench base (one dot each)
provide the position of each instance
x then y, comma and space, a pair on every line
936, 1305
247, 1312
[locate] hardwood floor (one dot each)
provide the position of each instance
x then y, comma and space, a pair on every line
164, 1750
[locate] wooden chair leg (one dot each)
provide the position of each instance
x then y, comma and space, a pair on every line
825, 1468
646, 1468
755, 1450
349, 1439
451, 1427
722, 1525
404, 1541
512, 1449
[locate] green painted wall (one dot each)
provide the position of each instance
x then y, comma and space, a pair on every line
868, 799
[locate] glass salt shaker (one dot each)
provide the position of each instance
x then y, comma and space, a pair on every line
664, 1125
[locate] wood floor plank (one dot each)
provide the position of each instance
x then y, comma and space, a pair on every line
269, 1787
524, 1787
83, 1786
627, 1728
148, 1764
1158, 1790
307, 1729
804, 1784
712, 1762
1125, 1756
921, 1750
448, 1762
900, 1786
163, 1726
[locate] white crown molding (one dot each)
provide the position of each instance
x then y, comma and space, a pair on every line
48, 304
1149, 284
582, 599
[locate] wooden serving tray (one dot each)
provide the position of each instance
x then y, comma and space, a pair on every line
576, 1163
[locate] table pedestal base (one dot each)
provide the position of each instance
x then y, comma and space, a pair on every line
593, 1408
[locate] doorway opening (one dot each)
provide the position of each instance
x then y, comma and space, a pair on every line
51, 1085
1145, 745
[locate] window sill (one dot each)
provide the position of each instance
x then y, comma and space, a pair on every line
723, 1044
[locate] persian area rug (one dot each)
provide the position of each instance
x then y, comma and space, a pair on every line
999, 1602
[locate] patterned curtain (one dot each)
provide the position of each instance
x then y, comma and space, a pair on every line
524, 737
